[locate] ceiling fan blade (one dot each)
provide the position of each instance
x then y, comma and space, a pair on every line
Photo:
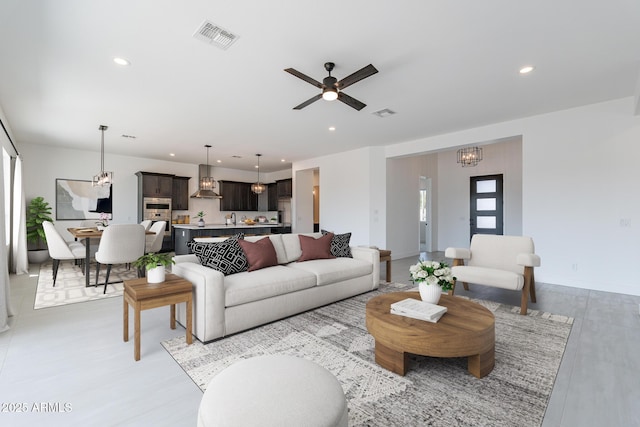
308, 101
362, 73
304, 77
351, 102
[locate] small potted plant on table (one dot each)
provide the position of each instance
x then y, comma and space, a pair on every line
154, 263
432, 278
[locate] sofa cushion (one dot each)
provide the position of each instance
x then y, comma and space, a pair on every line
328, 271
340, 244
260, 254
291, 243
227, 257
312, 248
269, 282
488, 276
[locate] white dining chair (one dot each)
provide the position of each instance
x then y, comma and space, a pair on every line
59, 249
146, 224
120, 244
154, 242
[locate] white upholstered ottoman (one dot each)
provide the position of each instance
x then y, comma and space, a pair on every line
276, 390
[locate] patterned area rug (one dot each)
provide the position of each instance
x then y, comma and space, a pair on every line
435, 392
70, 284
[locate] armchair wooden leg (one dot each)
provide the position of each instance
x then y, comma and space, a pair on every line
532, 288
457, 262
453, 289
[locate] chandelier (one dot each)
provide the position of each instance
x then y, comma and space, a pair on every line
206, 184
258, 187
102, 179
469, 156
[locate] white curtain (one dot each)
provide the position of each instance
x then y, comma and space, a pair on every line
19, 240
5, 298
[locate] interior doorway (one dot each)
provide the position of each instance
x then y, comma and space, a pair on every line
425, 215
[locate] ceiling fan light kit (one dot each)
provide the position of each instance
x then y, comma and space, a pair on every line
332, 88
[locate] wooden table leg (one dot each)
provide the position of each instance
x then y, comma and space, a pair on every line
389, 270
480, 365
394, 361
172, 320
136, 348
125, 320
189, 318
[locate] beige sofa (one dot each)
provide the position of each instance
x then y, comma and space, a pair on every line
224, 305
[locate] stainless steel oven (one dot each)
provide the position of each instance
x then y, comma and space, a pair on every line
158, 209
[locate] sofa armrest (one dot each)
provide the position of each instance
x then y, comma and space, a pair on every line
528, 260
372, 256
457, 253
208, 298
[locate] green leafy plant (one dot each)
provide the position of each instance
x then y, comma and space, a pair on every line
153, 259
38, 212
200, 214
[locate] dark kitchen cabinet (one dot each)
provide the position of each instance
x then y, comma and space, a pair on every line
155, 184
237, 196
285, 188
272, 192
180, 194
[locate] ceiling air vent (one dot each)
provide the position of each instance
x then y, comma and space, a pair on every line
215, 35
384, 113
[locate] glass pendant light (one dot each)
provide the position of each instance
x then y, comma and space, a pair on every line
258, 187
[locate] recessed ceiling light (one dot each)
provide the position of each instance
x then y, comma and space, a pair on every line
219, 161
332, 128
282, 160
121, 61
527, 69
172, 154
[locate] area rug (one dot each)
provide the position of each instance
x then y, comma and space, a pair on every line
70, 284
435, 392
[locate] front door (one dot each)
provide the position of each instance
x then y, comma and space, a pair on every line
486, 205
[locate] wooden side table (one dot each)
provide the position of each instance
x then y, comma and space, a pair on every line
385, 255
143, 296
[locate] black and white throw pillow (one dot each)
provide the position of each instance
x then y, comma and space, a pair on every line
226, 257
340, 244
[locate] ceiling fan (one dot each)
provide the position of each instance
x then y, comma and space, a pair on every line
332, 88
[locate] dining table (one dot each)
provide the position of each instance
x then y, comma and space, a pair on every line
86, 234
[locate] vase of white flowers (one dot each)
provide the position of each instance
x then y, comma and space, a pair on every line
432, 277
104, 221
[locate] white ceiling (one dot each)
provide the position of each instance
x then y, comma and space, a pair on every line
443, 66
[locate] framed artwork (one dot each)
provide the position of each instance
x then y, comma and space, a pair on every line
77, 199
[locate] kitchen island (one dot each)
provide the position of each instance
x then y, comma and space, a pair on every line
184, 233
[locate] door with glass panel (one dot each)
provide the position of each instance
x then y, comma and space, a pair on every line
486, 205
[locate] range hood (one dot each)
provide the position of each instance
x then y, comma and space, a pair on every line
206, 184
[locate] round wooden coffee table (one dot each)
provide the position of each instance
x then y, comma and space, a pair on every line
467, 329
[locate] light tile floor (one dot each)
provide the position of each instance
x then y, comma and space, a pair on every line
74, 355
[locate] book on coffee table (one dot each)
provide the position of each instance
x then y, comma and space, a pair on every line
418, 310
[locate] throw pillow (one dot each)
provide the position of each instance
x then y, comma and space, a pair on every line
226, 257
340, 244
319, 248
260, 254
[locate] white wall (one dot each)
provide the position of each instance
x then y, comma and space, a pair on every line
350, 199
579, 190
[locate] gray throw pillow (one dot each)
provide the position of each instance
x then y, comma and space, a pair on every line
340, 244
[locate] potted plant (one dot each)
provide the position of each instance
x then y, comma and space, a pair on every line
432, 278
38, 212
200, 215
154, 263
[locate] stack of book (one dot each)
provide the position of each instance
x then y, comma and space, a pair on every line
417, 309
